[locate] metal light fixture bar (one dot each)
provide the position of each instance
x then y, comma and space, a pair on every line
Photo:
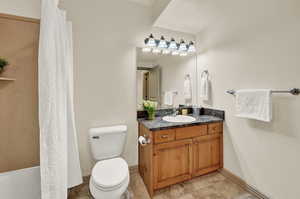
168, 43
182, 47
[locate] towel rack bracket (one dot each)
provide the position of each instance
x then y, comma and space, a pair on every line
295, 91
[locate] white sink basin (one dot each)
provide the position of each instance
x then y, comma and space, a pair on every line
179, 118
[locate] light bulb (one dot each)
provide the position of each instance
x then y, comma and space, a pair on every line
173, 45
182, 46
162, 43
191, 48
150, 41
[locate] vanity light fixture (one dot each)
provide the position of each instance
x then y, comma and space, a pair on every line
168, 47
182, 46
162, 43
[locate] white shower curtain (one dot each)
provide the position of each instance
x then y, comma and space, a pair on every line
59, 158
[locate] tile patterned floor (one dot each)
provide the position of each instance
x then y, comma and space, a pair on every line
211, 186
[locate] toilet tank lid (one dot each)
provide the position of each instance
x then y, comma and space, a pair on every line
108, 129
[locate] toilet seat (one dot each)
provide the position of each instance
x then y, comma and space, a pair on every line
108, 175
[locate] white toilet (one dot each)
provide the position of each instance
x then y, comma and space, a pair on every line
110, 176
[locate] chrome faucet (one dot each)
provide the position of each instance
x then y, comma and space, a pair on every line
175, 113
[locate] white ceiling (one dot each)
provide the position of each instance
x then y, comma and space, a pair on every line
182, 15
194, 16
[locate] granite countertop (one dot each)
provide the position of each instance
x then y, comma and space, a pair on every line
159, 124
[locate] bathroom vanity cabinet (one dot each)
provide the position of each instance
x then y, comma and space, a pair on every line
178, 154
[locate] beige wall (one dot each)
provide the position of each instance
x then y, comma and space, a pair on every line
19, 134
25, 8
106, 34
258, 53
105, 37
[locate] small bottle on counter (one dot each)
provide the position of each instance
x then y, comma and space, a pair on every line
184, 111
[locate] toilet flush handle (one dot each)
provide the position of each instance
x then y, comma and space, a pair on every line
96, 137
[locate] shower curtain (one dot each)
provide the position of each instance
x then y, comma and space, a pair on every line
59, 158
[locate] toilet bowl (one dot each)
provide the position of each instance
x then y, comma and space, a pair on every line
110, 175
109, 179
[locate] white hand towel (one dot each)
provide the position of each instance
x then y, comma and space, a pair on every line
204, 87
187, 93
168, 98
254, 104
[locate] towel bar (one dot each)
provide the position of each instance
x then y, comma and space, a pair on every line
293, 91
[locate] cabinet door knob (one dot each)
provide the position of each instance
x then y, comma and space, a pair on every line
164, 136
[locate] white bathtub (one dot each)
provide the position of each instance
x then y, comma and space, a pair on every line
21, 184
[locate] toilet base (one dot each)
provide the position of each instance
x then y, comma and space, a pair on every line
120, 193
126, 195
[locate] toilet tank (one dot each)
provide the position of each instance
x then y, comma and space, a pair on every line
107, 142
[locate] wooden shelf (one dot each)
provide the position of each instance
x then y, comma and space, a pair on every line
7, 79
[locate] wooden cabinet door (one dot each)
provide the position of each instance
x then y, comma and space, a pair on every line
172, 163
215, 151
206, 154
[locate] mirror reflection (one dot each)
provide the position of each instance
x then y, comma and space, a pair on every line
166, 79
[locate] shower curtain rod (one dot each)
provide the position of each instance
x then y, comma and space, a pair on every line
293, 91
